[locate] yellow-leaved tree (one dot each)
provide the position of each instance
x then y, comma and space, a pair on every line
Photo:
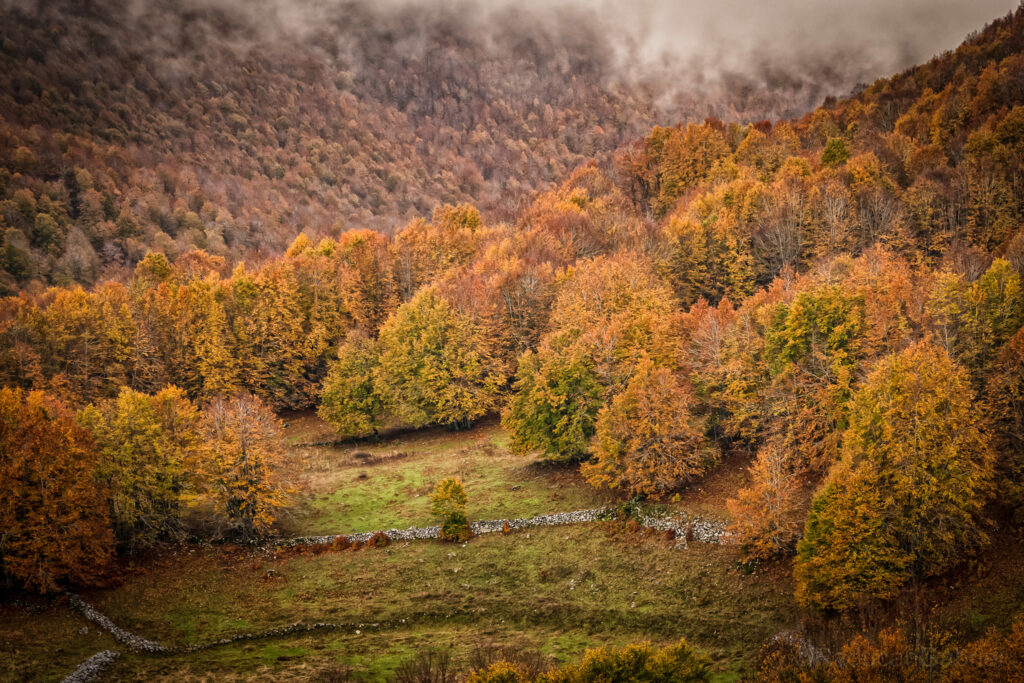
648, 439
243, 459
611, 314
905, 501
349, 401
437, 366
144, 443
448, 501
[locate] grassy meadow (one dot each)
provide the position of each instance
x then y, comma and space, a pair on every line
555, 591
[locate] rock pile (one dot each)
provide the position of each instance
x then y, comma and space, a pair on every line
557, 519
689, 528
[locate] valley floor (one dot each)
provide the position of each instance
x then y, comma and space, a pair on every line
555, 590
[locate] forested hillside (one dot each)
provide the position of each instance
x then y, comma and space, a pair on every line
834, 299
230, 127
173, 126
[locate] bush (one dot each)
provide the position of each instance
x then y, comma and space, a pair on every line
378, 540
431, 666
639, 662
448, 501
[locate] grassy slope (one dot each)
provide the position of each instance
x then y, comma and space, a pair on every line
46, 642
557, 590
344, 495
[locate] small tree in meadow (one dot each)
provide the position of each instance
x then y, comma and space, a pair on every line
448, 501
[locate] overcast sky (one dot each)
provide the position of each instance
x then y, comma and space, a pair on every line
878, 36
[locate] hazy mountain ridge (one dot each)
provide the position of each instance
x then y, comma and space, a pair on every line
231, 127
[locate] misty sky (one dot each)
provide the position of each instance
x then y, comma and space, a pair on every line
859, 39
815, 46
887, 35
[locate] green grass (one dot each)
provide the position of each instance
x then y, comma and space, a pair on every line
347, 496
46, 643
558, 590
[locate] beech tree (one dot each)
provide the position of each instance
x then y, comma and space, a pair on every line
349, 401
422, 251
813, 347
53, 510
906, 499
611, 314
367, 285
973, 320
437, 366
146, 445
243, 455
1004, 402
647, 439
554, 408
767, 515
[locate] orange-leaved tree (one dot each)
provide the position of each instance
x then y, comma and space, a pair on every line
767, 513
610, 314
648, 439
54, 526
906, 499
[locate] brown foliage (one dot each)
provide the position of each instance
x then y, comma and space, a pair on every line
56, 528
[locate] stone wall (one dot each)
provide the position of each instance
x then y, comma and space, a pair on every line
92, 668
685, 527
690, 528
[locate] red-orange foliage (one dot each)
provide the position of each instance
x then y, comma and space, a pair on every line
53, 515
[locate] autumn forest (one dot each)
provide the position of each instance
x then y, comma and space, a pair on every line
258, 293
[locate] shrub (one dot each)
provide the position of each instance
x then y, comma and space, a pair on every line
378, 540
430, 666
448, 501
639, 662
501, 672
